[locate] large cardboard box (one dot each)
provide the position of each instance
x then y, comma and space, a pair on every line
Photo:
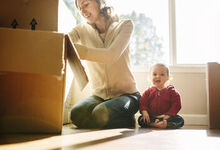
32, 79
213, 90
33, 67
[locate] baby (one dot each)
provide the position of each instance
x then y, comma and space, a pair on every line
160, 104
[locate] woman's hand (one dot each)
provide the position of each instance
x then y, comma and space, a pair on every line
145, 116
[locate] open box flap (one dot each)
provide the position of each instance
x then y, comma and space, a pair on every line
75, 64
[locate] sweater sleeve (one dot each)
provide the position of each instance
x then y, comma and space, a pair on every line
144, 100
175, 100
74, 35
111, 53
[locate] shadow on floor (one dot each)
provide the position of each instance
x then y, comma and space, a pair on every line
123, 134
17, 138
20, 138
213, 133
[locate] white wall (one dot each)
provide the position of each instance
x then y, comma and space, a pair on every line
190, 84
192, 88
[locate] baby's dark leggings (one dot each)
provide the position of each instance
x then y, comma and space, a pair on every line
174, 122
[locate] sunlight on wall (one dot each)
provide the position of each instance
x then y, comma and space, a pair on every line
65, 23
66, 20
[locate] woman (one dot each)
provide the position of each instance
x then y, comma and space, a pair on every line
104, 42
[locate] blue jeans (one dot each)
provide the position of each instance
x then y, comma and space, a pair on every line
95, 112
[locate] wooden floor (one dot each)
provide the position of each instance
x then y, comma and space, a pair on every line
187, 138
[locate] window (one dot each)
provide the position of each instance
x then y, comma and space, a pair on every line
197, 31
150, 40
66, 21
173, 32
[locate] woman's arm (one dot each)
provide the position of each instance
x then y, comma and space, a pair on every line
74, 35
113, 52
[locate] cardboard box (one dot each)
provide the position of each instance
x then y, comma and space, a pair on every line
45, 12
213, 93
32, 80
33, 67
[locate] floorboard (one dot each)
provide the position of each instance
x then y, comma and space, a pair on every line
186, 138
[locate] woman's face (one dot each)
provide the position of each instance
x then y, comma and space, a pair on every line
89, 9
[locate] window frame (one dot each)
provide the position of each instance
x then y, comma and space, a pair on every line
174, 67
172, 40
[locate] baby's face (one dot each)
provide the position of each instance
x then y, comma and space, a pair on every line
159, 76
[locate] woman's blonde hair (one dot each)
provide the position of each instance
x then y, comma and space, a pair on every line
107, 11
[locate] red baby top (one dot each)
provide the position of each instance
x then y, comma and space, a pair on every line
157, 102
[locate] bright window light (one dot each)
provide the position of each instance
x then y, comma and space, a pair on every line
197, 31
66, 21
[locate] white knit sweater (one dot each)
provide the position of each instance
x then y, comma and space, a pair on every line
108, 61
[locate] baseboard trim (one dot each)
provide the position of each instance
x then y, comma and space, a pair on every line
195, 119
191, 119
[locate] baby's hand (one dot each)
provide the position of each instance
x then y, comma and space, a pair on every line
166, 117
145, 117
160, 116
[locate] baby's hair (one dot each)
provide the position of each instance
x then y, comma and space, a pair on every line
161, 65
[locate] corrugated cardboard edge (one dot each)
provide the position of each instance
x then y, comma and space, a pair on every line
213, 95
76, 65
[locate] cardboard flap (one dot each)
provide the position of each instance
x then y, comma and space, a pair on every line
75, 64
213, 94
